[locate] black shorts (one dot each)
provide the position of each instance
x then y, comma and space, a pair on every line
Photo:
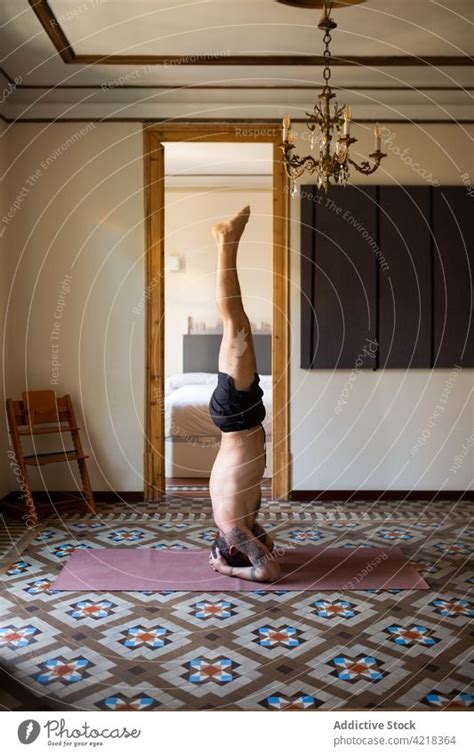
232, 409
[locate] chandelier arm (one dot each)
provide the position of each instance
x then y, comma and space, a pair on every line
295, 166
365, 167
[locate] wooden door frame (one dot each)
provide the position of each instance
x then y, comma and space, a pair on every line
155, 136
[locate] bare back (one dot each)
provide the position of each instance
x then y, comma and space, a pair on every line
235, 480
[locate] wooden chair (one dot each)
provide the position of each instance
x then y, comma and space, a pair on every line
42, 413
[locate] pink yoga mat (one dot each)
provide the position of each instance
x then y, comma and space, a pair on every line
306, 568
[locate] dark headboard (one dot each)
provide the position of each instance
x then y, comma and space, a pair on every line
201, 352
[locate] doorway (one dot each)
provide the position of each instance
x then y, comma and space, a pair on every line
155, 139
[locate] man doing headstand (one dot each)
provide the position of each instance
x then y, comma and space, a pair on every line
242, 548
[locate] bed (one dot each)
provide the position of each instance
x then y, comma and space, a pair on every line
191, 438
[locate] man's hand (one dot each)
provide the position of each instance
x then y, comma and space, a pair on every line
218, 563
264, 567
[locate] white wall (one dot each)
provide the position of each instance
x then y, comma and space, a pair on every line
368, 445
81, 216
84, 217
190, 213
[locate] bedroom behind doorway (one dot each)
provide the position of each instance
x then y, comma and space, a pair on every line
205, 183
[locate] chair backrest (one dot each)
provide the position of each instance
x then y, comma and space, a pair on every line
41, 406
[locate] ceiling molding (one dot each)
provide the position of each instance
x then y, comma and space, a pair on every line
206, 121
378, 61
244, 87
8, 77
51, 26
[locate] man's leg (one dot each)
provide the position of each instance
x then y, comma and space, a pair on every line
237, 354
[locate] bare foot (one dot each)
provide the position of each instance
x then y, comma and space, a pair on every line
232, 229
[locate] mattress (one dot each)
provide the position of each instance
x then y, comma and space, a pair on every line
187, 398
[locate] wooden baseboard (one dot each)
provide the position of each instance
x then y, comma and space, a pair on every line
46, 504
345, 496
107, 496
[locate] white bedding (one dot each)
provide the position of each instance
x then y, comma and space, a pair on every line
187, 398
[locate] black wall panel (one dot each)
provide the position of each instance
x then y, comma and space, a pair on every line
338, 277
453, 340
392, 265
404, 272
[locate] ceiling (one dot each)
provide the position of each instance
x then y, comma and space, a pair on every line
228, 164
201, 59
218, 158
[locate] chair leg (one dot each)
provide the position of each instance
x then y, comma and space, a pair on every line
86, 486
32, 514
76, 439
32, 517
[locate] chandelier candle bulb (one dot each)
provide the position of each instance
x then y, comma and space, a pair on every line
378, 136
286, 126
347, 120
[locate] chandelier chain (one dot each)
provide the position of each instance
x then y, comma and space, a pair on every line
327, 57
327, 41
331, 130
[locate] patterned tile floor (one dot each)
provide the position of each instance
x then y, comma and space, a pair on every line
356, 650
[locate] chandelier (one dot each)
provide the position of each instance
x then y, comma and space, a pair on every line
330, 133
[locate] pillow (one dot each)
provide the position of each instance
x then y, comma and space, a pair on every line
173, 382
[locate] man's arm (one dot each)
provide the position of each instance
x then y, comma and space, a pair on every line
263, 536
264, 567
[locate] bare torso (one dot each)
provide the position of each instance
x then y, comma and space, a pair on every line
235, 480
